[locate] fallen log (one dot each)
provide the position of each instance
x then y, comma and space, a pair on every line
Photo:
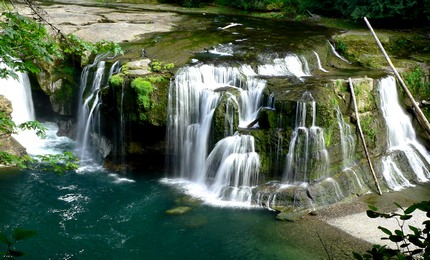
351, 86
417, 110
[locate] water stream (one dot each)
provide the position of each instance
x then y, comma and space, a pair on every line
402, 139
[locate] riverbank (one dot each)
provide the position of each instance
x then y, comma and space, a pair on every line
350, 217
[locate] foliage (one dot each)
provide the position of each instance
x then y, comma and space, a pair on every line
18, 235
369, 130
57, 163
8, 126
376, 9
73, 45
23, 41
415, 81
157, 66
143, 88
116, 80
410, 245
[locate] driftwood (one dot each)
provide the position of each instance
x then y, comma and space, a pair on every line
362, 137
418, 112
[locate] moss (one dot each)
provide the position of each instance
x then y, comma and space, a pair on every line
64, 94
143, 90
157, 115
328, 133
117, 80
369, 129
361, 48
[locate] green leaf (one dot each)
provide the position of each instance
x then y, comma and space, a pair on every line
15, 253
416, 251
357, 256
386, 231
20, 234
414, 229
405, 217
372, 214
398, 205
411, 209
373, 208
3, 238
399, 233
395, 238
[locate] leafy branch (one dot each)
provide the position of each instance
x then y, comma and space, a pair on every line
18, 234
412, 245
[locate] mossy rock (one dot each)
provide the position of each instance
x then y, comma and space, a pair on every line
360, 47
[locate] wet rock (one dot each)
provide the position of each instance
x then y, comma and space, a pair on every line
292, 216
178, 210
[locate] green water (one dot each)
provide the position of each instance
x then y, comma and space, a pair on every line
94, 215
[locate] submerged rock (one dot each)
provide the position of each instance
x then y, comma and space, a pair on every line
179, 210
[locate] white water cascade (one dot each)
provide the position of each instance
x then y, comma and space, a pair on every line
401, 140
291, 65
333, 49
229, 170
93, 79
18, 92
320, 67
307, 152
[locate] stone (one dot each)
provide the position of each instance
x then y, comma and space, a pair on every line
178, 210
292, 216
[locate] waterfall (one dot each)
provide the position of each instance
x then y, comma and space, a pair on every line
18, 92
333, 49
291, 65
346, 139
229, 170
319, 62
307, 154
93, 79
401, 139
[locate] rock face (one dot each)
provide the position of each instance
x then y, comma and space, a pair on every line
135, 117
7, 142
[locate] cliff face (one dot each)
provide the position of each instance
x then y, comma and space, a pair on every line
8, 144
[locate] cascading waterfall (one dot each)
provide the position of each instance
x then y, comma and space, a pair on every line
333, 49
401, 139
18, 92
291, 65
346, 139
92, 82
348, 146
307, 153
229, 170
319, 62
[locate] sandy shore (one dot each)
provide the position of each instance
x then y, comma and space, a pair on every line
351, 217
360, 226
